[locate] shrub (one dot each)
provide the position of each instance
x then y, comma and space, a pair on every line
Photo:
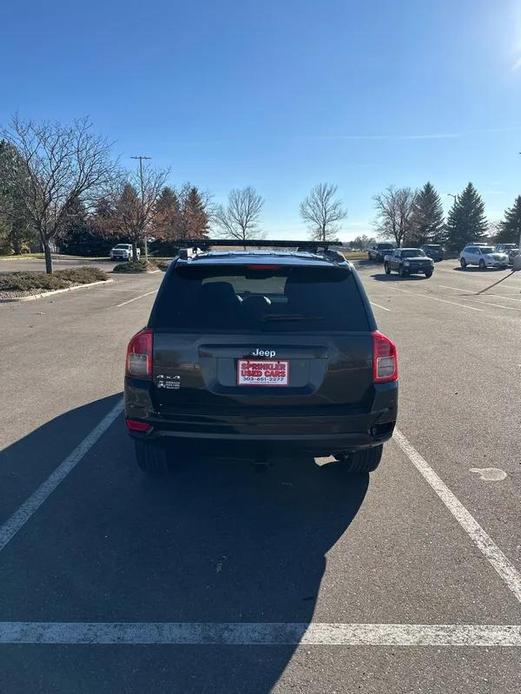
61, 279
163, 264
131, 266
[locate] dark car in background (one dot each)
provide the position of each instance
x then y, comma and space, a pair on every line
377, 251
408, 261
434, 251
266, 352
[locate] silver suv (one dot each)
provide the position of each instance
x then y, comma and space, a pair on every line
482, 256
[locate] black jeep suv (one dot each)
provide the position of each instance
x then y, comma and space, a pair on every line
267, 351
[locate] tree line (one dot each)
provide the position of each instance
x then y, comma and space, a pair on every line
413, 218
61, 186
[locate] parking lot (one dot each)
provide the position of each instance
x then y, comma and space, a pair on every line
299, 578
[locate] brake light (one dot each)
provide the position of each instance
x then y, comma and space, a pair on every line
263, 267
135, 425
139, 355
385, 359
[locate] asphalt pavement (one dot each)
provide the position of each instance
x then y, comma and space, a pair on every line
297, 579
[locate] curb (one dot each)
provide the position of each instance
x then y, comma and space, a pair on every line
33, 297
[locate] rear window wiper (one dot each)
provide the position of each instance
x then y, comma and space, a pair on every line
290, 316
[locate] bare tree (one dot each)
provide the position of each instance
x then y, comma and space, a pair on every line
58, 165
394, 213
134, 205
240, 218
321, 211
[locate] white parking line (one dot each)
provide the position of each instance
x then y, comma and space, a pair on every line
456, 289
20, 517
260, 634
479, 537
488, 303
124, 303
435, 298
496, 296
378, 306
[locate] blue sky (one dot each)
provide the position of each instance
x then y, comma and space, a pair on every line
284, 94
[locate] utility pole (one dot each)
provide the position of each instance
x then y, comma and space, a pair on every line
141, 157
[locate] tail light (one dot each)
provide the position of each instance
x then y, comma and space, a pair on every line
135, 425
139, 355
385, 359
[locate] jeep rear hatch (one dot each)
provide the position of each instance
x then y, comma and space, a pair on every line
262, 335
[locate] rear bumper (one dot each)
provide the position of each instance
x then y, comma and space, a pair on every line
317, 433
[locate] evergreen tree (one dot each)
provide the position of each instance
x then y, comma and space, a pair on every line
79, 236
466, 221
427, 217
510, 228
195, 220
167, 215
16, 231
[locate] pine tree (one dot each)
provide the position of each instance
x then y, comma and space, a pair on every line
79, 235
427, 217
166, 224
195, 219
466, 221
510, 227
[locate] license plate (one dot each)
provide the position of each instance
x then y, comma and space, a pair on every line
262, 373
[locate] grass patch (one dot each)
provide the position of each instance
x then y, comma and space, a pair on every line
132, 266
354, 255
61, 279
23, 256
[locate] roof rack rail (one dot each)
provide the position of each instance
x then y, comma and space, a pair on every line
203, 244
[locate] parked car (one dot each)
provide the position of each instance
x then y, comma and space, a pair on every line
433, 250
123, 251
377, 251
482, 256
511, 249
263, 351
409, 261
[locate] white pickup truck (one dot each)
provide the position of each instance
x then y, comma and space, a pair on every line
123, 251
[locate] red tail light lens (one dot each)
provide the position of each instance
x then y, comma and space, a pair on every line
135, 425
139, 355
385, 359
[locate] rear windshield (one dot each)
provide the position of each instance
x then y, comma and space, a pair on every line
414, 253
243, 298
384, 246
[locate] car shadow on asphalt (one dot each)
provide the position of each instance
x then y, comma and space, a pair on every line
382, 277
215, 541
474, 268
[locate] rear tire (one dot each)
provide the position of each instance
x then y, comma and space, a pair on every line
151, 457
364, 461
463, 263
387, 268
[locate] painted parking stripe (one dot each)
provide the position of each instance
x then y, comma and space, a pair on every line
378, 306
260, 634
487, 303
435, 298
124, 303
479, 537
20, 517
